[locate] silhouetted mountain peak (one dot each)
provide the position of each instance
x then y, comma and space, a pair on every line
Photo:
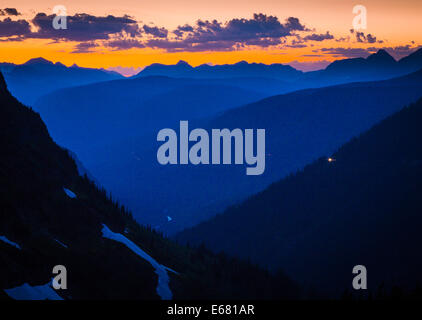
183, 63
412, 61
59, 64
417, 53
381, 56
37, 61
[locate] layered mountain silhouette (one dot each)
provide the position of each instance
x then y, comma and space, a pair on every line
238, 70
38, 76
377, 66
50, 215
362, 207
112, 128
115, 111
358, 208
300, 127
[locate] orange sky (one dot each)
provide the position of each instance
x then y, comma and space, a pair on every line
395, 22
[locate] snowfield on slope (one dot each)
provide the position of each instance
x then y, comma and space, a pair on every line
69, 193
14, 244
61, 243
163, 289
27, 292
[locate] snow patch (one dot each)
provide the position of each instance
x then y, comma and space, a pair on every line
61, 243
27, 292
69, 193
169, 218
163, 289
14, 244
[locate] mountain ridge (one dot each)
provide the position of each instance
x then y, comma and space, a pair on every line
361, 208
50, 215
301, 126
38, 76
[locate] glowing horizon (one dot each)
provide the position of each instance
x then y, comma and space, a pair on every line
391, 25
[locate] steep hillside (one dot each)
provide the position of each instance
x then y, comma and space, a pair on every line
360, 208
50, 215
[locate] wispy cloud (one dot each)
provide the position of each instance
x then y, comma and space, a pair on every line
346, 52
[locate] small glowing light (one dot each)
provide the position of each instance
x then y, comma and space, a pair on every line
331, 159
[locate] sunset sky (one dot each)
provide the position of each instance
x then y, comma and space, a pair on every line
130, 34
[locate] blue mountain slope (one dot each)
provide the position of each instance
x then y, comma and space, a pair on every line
377, 66
50, 215
361, 209
38, 76
300, 127
238, 70
116, 111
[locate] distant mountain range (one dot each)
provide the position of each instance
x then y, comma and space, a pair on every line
361, 206
238, 70
377, 66
37, 77
50, 215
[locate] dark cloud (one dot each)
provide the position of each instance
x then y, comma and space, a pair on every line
312, 55
124, 44
10, 28
296, 45
261, 30
84, 27
180, 30
84, 47
122, 33
294, 24
343, 39
176, 46
347, 52
371, 39
156, 32
12, 39
397, 52
263, 42
9, 12
361, 37
319, 37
